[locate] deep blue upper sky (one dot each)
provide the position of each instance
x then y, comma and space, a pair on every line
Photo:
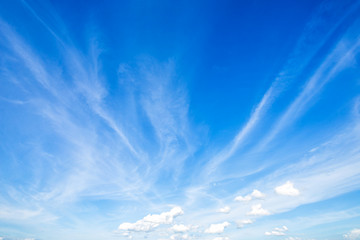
211, 120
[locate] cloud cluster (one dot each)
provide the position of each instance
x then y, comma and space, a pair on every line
152, 221
287, 189
277, 231
217, 228
256, 194
353, 234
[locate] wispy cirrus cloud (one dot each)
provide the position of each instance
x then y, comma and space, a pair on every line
71, 118
303, 55
100, 153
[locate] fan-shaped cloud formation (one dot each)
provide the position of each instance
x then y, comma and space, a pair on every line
119, 136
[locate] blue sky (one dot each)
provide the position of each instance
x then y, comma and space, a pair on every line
211, 120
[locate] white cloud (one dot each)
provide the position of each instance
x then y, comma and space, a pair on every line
221, 238
139, 226
247, 198
257, 210
255, 194
274, 233
277, 231
217, 228
152, 221
225, 209
287, 189
241, 223
353, 234
180, 228
165, 217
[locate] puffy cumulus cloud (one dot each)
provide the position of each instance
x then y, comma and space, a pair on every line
244, 222
217, 228
152, 221
221, 238
225, 209
277, 231
243, 199
139, 226
180, 228
353, 234
287, 189
258, 210
165, 217
256, 194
